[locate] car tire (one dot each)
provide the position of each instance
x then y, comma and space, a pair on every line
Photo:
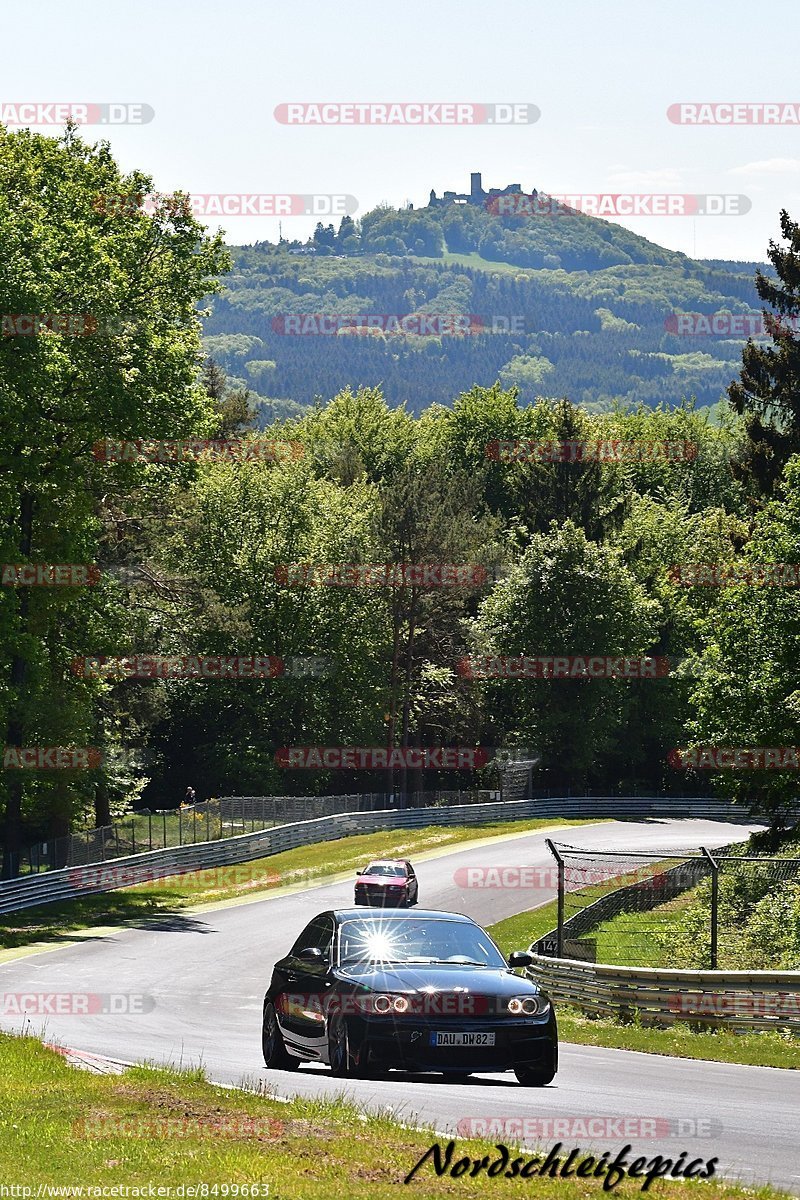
340, 1059
344, 1062
276, 1056
542, 1073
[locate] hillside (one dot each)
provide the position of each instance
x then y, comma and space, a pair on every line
561, 305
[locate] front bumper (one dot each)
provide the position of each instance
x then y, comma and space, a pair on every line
405, 1043
380, 897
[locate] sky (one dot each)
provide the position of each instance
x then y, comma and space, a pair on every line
602, 75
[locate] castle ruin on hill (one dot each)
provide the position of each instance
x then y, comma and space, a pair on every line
476, 195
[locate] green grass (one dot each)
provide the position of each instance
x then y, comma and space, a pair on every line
765, 1048
58, 923
477, 263
627, 938
62, 1126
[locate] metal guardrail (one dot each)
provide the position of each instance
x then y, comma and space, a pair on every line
739, 1000
73, 882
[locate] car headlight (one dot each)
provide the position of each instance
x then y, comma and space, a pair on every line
528, 1006
385, 1004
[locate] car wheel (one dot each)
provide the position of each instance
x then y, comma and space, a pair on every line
276, 1056
339, 1058
542, 1073
344, 1061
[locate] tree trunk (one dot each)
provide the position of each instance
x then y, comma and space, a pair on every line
12, 825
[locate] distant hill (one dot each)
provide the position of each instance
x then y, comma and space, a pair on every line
562, 305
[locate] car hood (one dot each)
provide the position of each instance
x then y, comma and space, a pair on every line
483, 981
382, 880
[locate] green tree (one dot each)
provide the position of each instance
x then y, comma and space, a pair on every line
766, 393
135, 280
568, 596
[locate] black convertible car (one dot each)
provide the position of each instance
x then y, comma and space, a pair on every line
422, 991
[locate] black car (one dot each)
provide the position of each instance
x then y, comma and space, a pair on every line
422, 991
389, 881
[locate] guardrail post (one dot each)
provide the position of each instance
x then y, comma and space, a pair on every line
180, 825
560, 864
150, 831
164, 815
714, 905
133, 837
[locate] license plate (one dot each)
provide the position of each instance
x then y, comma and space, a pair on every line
461, 1039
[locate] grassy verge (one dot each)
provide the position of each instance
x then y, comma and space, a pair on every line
66, 1127
767, 1048
56, 923
628, 939
762, 1049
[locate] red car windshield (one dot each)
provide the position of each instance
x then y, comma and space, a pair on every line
386, 869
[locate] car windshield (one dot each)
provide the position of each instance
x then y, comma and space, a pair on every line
415, 940
385, 869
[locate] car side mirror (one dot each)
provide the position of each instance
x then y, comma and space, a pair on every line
520, 958
311, 954
359, 873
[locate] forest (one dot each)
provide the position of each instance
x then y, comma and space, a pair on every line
208, 552
560, 305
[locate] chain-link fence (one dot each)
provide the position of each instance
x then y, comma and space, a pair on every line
214, 819
672, 908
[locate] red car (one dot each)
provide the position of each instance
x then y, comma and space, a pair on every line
388, 881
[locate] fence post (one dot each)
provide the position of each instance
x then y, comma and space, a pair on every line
180, 825
150, 830
714, 905
133, 836
560, 933
208, 821
164, 815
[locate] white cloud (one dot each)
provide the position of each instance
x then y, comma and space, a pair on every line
625, 177
769, 166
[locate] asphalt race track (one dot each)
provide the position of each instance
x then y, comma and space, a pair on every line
206, 974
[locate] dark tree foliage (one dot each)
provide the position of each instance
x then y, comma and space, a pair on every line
767, 393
